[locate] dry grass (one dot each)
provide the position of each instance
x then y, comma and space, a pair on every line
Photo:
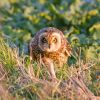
22, 79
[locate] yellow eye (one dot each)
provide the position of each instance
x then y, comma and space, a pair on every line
44, 40
55, 40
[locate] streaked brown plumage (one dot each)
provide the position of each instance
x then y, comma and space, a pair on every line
51, 47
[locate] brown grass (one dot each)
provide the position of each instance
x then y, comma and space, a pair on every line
24, 79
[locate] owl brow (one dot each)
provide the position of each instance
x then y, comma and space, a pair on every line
42, 34
55, 33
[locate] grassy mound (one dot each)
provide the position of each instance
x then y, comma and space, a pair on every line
20, 78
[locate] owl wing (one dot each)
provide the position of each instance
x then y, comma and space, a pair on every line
33, 49
68, 50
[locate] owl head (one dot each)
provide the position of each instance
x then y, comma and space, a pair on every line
49, 39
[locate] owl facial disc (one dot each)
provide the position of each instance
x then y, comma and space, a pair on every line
50, 42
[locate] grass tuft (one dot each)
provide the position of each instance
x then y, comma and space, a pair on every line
24, 79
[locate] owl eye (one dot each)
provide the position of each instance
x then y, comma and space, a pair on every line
44, 40
55, 40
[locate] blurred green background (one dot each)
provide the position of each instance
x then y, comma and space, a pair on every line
78, 19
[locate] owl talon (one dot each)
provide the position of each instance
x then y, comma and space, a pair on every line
53, 79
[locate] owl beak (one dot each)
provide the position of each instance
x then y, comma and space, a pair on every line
49, 46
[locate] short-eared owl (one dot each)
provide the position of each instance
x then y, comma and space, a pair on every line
51, 47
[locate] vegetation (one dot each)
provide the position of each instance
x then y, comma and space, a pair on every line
21, 19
